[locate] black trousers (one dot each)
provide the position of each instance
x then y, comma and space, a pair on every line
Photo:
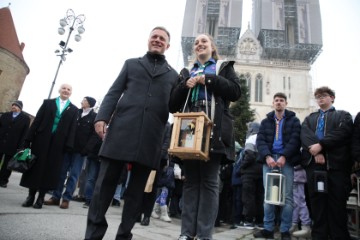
110, 171
253, 197
4, 172
329, 209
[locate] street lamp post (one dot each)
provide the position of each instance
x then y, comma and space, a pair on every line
74, 22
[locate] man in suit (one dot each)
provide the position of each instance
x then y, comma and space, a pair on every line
51, 133
133, 116
13, 127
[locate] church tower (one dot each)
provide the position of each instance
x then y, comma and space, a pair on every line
287, 38
288, 29
219, 18
13, 68
275, 55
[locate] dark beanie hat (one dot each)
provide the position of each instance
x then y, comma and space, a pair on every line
91, 101
18, 103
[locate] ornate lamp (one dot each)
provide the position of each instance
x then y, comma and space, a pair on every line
74, 22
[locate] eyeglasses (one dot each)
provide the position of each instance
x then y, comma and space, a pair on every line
317, 97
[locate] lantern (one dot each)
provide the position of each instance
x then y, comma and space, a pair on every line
320, 181
190, 137
275, 188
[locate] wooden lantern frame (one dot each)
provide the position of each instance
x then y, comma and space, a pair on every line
190, 138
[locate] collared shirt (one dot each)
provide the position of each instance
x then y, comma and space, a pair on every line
278, 146
15, 114
62, 105
85, 112
198, 69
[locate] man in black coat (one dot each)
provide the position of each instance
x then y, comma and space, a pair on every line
131, 120
326, 140
85, 140
13, 127
52, 131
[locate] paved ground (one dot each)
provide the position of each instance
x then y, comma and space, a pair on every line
53, 223
19, 223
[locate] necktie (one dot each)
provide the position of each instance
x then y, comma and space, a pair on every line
320, 126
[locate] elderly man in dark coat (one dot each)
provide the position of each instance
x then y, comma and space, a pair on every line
133, 116
13, 127
51, 133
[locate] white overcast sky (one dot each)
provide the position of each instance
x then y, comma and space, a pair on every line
118, 30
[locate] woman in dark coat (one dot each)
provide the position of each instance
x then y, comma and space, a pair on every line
201, 185
51, 133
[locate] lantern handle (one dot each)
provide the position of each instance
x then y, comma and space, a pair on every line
276, 170
206, 105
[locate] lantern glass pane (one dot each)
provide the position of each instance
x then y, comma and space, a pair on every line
187, 132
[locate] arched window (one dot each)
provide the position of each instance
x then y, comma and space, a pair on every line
248, 83
258, 88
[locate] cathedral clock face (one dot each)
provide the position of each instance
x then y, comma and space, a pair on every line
248, 46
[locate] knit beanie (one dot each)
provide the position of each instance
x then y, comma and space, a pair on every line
18, 103
91, 101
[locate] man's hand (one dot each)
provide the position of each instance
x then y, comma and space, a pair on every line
270, 162
281, 161
320, 159
315, 149
100, 129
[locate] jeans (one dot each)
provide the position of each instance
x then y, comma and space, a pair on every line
93, 167
72, 163
200, 197
286, 210
118, 192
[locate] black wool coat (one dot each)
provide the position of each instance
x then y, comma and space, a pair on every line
85, 138
12, 132
226, 88
137, 109
49, 147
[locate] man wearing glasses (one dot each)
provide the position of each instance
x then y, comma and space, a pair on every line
326, 139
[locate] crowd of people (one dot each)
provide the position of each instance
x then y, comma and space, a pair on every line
113, 154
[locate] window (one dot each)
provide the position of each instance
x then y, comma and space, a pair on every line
248, 83
258, 88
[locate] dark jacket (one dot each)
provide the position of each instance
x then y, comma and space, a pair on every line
226, 88
250, 167
356, 140
12, 132
165, 146
85, 137
236, 175
137, 109
290, 133
49, 147
336, 142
